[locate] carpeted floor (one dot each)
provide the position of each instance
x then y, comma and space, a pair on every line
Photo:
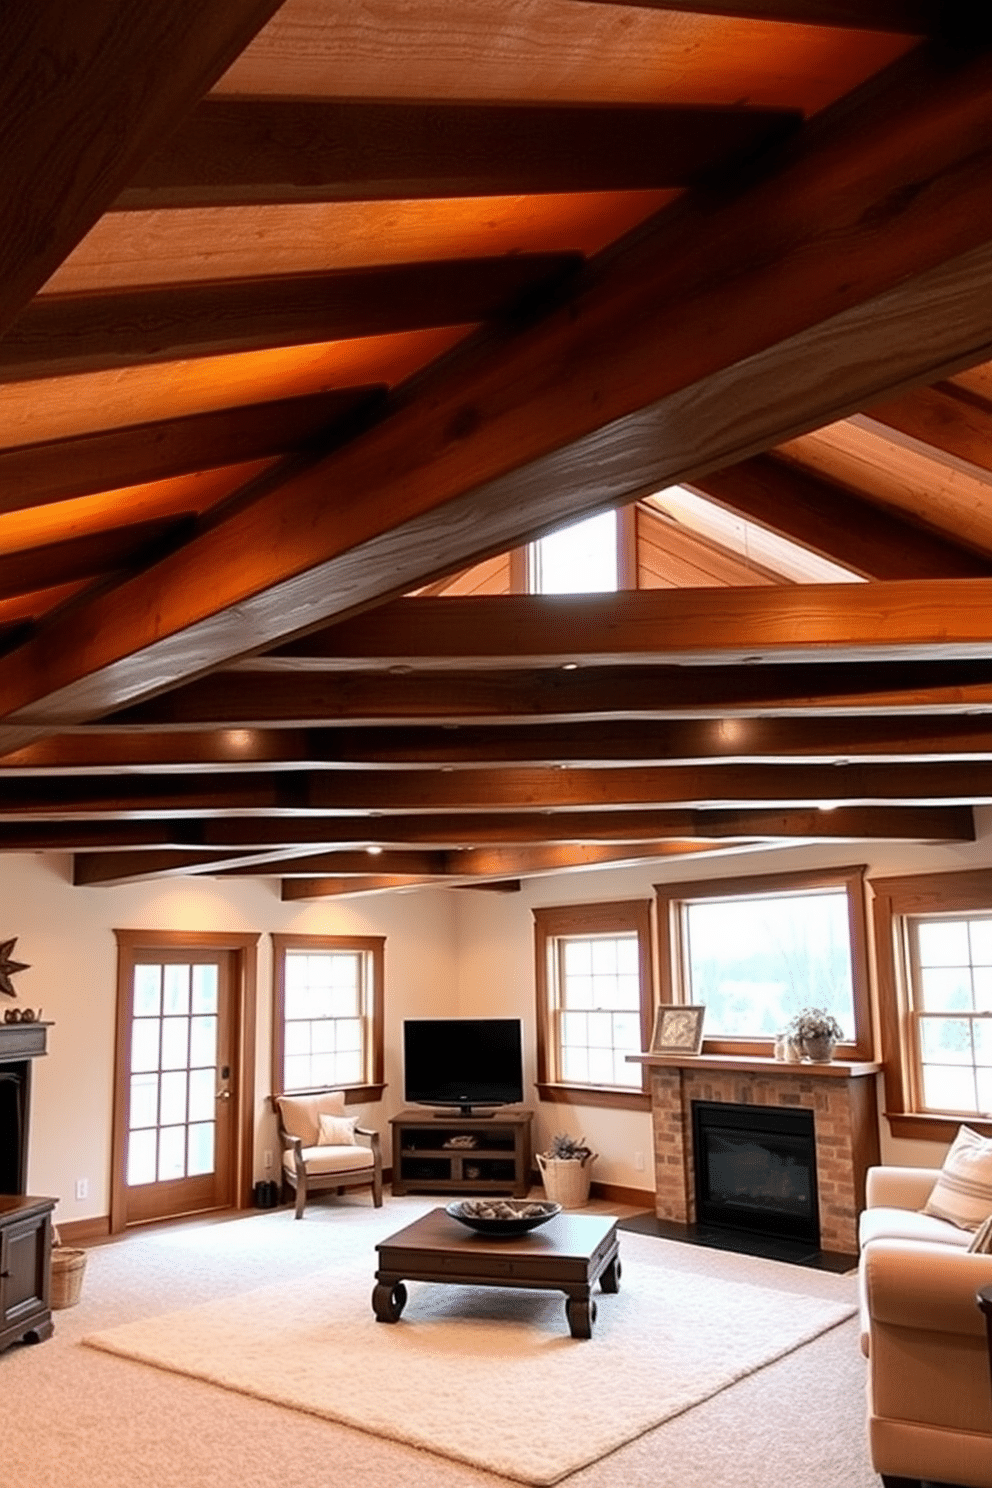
80, 1416
479, 1374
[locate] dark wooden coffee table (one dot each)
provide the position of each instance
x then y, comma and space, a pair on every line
569, 1254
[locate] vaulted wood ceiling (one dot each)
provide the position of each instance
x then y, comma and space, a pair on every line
312, 312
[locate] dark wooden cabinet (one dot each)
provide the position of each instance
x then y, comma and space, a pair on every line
25, 1268
462, 1154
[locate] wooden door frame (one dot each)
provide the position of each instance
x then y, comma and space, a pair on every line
243, 948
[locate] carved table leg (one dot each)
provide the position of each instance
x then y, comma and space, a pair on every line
581, 1314
388, 1301
610, 1279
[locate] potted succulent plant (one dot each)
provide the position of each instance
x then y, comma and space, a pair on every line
565, 1170
816, 1032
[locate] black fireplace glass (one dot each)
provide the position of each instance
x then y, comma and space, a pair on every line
755, 1169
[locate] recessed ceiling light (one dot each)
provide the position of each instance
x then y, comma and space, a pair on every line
375, 851
570, 666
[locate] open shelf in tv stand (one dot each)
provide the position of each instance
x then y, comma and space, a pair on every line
499, 1163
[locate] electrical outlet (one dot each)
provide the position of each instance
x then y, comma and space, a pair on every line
268, 1159
639, 1161
82, 1188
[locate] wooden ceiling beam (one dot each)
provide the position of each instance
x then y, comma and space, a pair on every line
899, 620
598, 743
34, 475
837, 524
338, 888
62, 334
944, 421
906, 17
236, 700
840, 250
86, 93
512, 789
262, 150
180, 844
91, 555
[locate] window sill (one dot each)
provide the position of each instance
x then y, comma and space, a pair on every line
924, 1126
594, 1095
353, 1094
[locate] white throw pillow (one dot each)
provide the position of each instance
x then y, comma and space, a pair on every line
963, 1192
337, 1131
982, 1243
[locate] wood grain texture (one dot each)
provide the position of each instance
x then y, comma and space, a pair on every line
87, 91
61, 334
944, 418
512, 789
306, 699
914, 17
533, 399
219, 839
279, 150
925, 620
35, 475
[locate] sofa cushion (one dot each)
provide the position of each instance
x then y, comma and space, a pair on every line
963, 1191
909, 1224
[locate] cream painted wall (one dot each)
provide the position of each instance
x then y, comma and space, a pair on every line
446, 952
66, 934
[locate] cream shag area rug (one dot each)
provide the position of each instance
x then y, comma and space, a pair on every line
482, 1375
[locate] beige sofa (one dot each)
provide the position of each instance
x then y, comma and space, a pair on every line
929, 1383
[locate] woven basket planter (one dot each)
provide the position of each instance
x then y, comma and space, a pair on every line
68, 1266
566, 1179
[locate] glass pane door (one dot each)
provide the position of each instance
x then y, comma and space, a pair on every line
178, 1086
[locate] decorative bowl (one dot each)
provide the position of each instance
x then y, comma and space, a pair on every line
503, 1217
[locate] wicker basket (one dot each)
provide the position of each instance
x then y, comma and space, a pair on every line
566, 1179
68, 1266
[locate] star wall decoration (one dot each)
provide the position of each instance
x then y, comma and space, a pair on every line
8, 966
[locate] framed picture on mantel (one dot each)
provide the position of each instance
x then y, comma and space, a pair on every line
678, 1030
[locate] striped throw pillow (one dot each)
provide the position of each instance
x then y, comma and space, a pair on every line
963, 1192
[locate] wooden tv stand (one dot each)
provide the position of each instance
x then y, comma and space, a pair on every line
498, 1163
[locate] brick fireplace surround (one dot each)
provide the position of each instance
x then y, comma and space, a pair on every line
841, 1096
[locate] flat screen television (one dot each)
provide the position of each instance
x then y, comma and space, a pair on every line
463, 1062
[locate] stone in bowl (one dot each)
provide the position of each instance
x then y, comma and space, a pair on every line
503, 1217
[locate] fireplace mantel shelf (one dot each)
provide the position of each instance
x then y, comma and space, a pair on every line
836, 1069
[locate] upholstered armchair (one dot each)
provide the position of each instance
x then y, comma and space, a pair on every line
323, 1150
929, 1386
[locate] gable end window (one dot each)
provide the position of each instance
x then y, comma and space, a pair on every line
593, 975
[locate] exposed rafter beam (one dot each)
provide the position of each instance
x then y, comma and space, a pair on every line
246, 151
181, 843
838, 249
910, 17
832, 521
61, 334
236, 700
34, 475
74, 132
92, 554
933, 620
945, 422
599, 742
511, 789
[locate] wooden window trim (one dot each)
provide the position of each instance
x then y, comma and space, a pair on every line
244, 947
375, 945
894, 899
670, 897
618, 917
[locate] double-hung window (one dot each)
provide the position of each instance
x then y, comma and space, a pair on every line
756, 951
934, 940
327, 1014
594, 1000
